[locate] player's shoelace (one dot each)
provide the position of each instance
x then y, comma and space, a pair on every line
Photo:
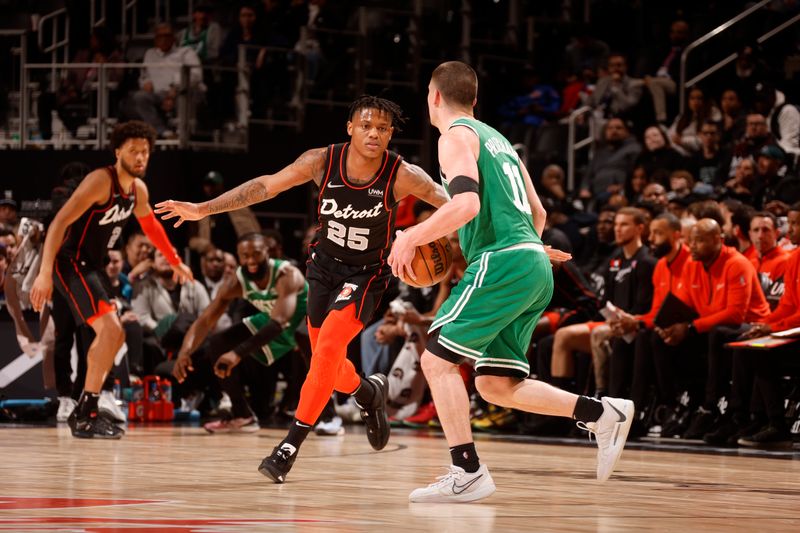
585, 427
446, 479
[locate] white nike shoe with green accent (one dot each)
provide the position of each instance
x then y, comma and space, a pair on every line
457, 486
611, 432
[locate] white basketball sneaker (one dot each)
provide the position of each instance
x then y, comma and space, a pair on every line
457, 486
611, 432
108, 404
65, 407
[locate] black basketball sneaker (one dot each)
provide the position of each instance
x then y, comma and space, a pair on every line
374, 415
93, 427
276, 465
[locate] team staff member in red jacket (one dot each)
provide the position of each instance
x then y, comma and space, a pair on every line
770, 261
767, 403
667, 245
722, 286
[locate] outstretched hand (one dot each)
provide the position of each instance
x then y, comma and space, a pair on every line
182, 273
556, 256
182, 210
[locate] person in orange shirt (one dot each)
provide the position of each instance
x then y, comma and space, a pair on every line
770, 263
735, 427
667, 245
771, 259
736, 229
722, 287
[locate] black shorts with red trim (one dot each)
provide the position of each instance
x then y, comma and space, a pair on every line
84, 288
335, 285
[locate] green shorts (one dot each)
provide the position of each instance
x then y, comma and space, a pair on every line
492, 312
277, 347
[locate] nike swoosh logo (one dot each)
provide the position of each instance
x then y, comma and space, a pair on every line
622, 417
332, 186
458, 489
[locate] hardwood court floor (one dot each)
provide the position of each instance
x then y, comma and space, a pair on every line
182, 479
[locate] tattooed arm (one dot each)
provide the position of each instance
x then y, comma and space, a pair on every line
413, 180
309, 166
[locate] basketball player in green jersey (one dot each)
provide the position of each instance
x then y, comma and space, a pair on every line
490, 315
278, 290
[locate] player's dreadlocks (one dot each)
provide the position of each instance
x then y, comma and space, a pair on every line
381, 104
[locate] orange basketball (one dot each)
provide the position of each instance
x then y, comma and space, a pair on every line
431, 263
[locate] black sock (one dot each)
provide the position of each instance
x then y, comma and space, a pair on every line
587, 409
298, 432
87, 406
365, 393
465, 456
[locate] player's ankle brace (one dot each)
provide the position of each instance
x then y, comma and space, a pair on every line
88, 403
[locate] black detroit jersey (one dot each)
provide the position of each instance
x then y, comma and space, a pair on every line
100, 227
356, 221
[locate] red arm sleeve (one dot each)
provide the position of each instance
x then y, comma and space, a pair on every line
155, 232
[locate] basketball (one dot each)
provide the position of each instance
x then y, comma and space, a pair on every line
431, 263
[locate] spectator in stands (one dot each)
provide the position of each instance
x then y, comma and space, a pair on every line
599, 246
8, 212
635, 185
74, 98
616, 94
611, 164
538, 103
585, 52
212, 267
3, 268
741, 185
655, 195
681, 183
628, 285
138, 256
667, 70
733, 117
8, 238
771, 190
244, 34
631, 363
756, 136
159, 85
122, 292
722, 287
706, 163
684, 130
203, 35
658, 154
223, 230
165, 307
749, 70
121, 287
783, 118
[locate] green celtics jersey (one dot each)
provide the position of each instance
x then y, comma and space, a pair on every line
504, 219
264, 300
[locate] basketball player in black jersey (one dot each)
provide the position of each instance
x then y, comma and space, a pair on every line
360, 183
88, 224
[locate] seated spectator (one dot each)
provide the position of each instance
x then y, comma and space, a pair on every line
243, 34
628, 285
736, 227
748, 71
774, 190
740, 187
782, 117
138, 256
203, 35
585, 52
159, 85
598, 249
222, 230
756, 136
733, 117
681, 184
655, 195
8, 238
658, 154
722, 287
684, 130
8, 212
122, 293
212, 269
635, 185
707, 162
667, 69
616, 94
613, 161
538, 103
165, 307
